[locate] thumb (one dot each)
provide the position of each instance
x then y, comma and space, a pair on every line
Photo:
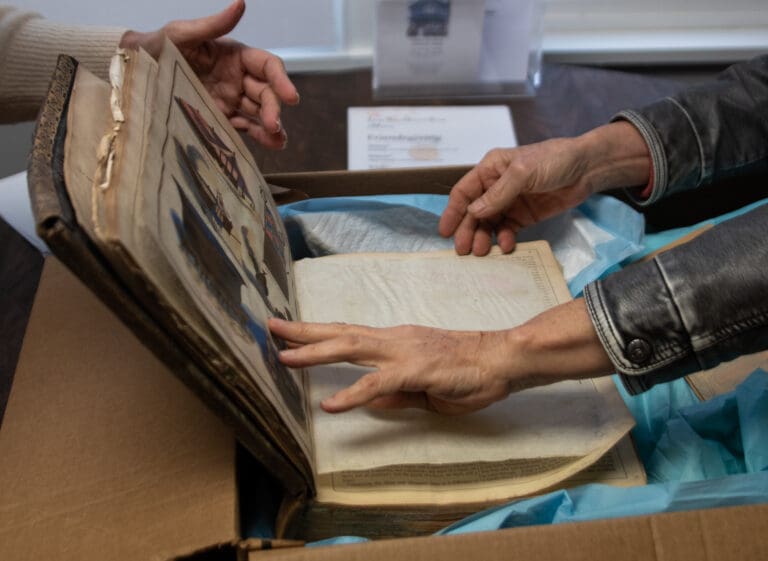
194, 31
496, 200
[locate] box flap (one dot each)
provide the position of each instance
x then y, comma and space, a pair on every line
433, 180
103, 452
726, 533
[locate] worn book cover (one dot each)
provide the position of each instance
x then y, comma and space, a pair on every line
144, 190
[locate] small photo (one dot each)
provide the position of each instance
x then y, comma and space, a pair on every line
428, 18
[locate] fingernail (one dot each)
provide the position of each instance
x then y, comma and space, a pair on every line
279, 126
477, 207
329, 403
285, 143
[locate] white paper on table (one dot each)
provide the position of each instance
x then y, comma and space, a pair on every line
398, 137
428, 41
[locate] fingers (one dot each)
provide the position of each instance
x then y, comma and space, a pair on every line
400, 400
267, 68
265, 86
322, 343
464, 236
255, 130
376, 387
325, 343
195, 31
261, 101
466, 190
483, 240
306, 332
341, 349
498, 198
477, 205
506, 236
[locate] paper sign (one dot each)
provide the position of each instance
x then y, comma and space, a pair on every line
428, 41
397, 137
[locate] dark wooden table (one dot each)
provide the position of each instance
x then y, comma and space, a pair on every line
570, 101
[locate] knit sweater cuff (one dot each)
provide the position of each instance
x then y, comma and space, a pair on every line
31, 57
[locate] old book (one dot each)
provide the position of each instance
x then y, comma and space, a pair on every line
143, 189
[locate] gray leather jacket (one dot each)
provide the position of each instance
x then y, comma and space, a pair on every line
705, 302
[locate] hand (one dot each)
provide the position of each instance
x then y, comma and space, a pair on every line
247, 84
449, 372
514, 188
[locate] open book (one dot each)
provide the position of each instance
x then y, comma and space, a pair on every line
144, 190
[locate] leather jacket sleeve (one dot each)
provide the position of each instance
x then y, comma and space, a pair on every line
705, 302
713, 131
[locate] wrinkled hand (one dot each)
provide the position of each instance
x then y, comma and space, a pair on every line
247, 84
513, 188
449, 372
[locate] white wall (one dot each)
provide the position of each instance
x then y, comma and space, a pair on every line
331, 34
267, 23
666, 31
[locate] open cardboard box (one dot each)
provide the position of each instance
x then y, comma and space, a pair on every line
104, 454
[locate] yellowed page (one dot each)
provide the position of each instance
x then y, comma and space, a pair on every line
89, 109
480, 482
528, 441
207, 210
179, 206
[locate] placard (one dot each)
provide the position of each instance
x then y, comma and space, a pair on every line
456, 48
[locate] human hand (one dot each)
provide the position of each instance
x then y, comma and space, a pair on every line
513, 188
449, 372
247, 84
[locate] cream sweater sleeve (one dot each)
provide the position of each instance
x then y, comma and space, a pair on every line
29, 46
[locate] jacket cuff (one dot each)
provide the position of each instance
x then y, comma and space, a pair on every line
675, 147
657, 184
646, 348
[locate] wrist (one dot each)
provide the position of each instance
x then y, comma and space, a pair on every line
558, 344
616, 155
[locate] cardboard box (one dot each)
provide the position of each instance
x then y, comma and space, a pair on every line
105, 455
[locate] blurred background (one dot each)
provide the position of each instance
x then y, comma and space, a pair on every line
684, 39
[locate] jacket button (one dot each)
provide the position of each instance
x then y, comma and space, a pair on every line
638, 351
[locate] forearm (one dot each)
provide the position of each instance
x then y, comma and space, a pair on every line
614, 155
559, 344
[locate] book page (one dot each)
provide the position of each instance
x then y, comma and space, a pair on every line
201, 226
213, 216
556, 430
92, 114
